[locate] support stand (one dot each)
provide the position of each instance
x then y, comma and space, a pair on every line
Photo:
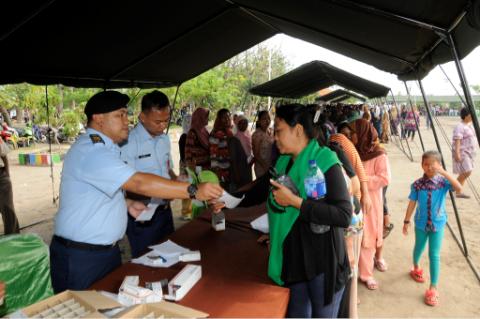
414, 117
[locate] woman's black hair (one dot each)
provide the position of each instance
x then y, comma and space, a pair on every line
464, 112
260, 114
294, 114
343, 124
222, 112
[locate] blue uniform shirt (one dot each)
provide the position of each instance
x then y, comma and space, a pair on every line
430, 193
146, 153
92, 204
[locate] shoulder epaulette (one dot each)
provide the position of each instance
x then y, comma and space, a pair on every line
96, 139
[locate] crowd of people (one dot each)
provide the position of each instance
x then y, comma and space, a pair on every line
318, 239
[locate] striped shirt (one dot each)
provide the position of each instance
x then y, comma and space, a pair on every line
352, 155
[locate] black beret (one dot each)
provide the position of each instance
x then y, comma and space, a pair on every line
106, 101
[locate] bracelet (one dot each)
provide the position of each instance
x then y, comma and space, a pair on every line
406, 222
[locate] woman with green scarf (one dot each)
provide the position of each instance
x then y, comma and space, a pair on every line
313, 264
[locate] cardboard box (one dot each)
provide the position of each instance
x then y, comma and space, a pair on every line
163, 308
91, 300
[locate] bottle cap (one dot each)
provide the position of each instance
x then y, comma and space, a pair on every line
312, 163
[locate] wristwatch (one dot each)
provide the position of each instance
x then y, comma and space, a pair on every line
192, 191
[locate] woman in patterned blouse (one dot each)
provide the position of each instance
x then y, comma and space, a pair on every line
219, 153
197, 147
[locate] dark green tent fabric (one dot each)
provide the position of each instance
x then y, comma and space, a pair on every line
339, 95
146, 43
25, 269
115, 44
314, 76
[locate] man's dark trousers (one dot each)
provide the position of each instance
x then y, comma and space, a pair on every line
143, 234
7, 209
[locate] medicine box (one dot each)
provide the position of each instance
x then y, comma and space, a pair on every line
181, 284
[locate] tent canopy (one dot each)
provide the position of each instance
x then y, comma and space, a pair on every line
339, 95
157, 43
314, 76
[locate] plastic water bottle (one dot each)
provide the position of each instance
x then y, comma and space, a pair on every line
316, 188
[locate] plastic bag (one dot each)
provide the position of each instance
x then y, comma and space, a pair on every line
25, 269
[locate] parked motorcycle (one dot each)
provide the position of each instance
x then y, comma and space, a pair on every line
9, 135
25, 136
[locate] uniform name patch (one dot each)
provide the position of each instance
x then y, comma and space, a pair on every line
144, 155
96, 139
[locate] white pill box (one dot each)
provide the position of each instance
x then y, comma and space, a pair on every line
181, 284
130, 280
134, 295
190, 256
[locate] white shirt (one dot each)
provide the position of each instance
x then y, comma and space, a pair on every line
147, 153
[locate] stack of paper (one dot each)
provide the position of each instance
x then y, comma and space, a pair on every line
147, 213
261, 224
163, 255
229, 200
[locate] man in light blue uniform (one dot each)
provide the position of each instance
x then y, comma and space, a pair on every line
91, 217
148, 151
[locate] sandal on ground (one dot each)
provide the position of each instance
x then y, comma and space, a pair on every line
462, 195
380, 264
417, 275
371, 284
431, 297
387, 230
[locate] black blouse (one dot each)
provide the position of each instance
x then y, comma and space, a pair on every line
306, 254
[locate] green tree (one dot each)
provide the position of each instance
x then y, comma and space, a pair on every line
476, 88
224, 86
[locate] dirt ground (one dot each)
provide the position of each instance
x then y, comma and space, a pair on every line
398, 295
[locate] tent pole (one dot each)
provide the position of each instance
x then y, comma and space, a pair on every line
454, 204
414, 116
173, 108
464, 83
54, 199
399, 115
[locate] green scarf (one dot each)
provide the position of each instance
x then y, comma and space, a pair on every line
281, 219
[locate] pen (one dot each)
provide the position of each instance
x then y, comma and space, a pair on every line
163, 259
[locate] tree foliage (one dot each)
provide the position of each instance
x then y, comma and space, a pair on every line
224, 86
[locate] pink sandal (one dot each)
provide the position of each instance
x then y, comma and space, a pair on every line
381, 265
431, 297
371, 284
417, 275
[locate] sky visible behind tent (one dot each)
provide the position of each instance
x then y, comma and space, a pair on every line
299, 52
